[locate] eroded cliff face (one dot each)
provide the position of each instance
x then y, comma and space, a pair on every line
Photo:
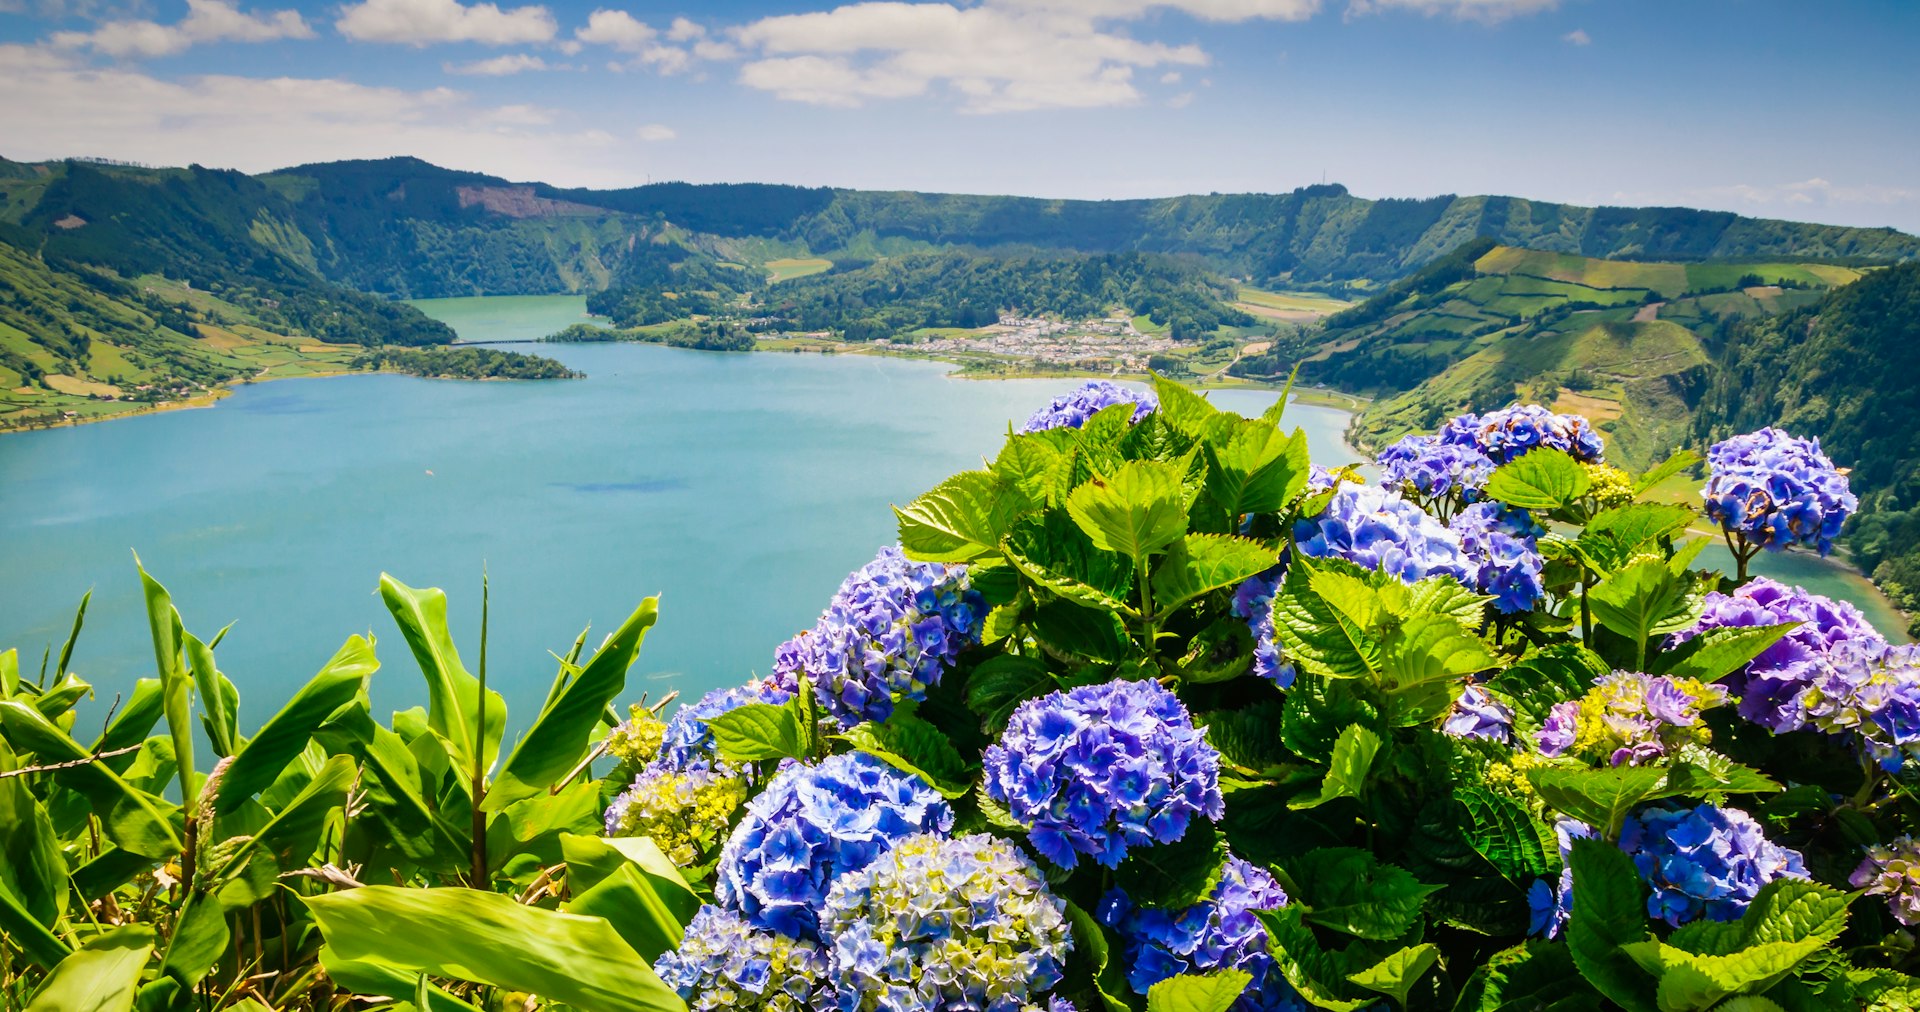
520, 202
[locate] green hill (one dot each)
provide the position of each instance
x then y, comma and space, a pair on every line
1625, 343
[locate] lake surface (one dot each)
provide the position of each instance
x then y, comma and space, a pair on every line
741, 488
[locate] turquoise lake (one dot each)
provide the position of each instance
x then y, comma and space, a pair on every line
740, 488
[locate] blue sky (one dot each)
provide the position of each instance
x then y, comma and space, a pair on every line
1767, 107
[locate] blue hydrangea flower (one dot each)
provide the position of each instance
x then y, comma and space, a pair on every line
1775, 490
687, 744
892, 629
1870, 693
1893, 870
1375, 528
1770, 690
1071, 410
1253, 603
725, 964
1476, 714
1425, 467
1552, 903
1221, 932
1499, 543
1101, 768
939, 923
1510, 432
812, 825
1704, 861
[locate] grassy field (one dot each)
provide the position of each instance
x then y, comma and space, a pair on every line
788, 268
1312, 303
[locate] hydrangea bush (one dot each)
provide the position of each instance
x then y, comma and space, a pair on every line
1153, 697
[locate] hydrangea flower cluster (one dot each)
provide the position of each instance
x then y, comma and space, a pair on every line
1424, 466
724, 963
686, 744
1775, 490
1552, 903
1893, 870
939, 923
687, 814
893, 628
1870, 692
1512, 431
1476, 714
1221, 932
1772, 687
1629, 719
1704, 861
637, 740
811, 825
1500, 544
1253, 603
1101, 768
1375, 528
1071, 410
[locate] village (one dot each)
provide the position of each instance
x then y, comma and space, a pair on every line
1114, 341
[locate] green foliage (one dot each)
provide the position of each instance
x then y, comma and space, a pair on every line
463, 363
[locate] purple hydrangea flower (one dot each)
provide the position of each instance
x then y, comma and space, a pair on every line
893, 628
1770, 688
1426, 467
687, 745
1870, 693
1071, 410
1704, 861
1499, 542
1221, 932
1476, 714
812, 825
725, 963
1511, 432
1253, 602
1377, 529
940, 923
1628, 718
1776, 490
1101, 768
1552, 903
1893, 870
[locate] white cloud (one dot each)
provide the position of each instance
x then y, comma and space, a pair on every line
1170, 77
1489, 11
60, 106
1204, 10
1578, 37
655, 132
647, 47
421, 22
498, 66
206, 21
1009, 55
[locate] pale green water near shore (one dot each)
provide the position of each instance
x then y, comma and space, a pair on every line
741, 488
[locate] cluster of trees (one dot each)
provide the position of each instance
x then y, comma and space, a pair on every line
464, 362
661, 282
964, 289
1848, 371
699, 335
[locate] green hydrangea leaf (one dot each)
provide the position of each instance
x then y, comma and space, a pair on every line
1138, 510
1508, 836
1610, 914
1544, 479
1197, 992
911, 745
1319, 975
1257, 469
1353, 754
1200, 563
1536, 976
1001, 683
1353, 892
1059, 558
1177, 874
1717, 653
1396, 975
961, 518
